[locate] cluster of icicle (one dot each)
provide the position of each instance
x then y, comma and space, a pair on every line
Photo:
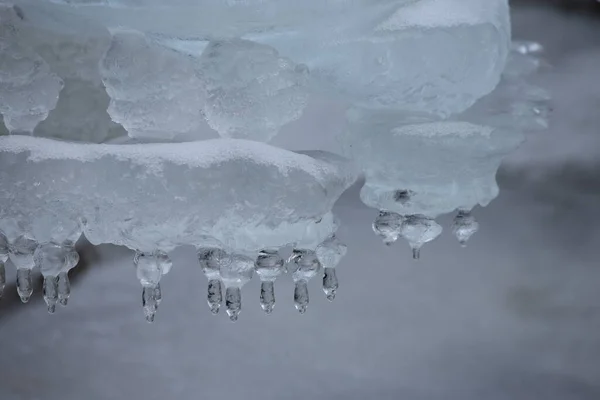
226, 273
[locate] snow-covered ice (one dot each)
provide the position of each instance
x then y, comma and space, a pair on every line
241, 197
272, 197
432, 92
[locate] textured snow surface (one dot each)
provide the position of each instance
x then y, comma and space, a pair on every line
152, 155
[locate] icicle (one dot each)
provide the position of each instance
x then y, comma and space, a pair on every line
55, 260
51, 259
329, 253
330, 283
208, 258
267, 296
388, 225
464, 226
233, 302
269, 265
21, 253
24, 284
236, 270
150, 301
301, 295
149, 268
418, 230
50, 291
416, 252
215, 296
64, 288
307, 266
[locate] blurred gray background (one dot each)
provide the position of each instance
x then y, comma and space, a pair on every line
516, 315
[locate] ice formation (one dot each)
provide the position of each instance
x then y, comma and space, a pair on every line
416, 172
66, 52
28, 89
150, 267
208, 256
73, 50
252, 92
306, 266
436, 56
435, 96
330, 252
433, 56
464, 226
418, 167
55, 261
272, 198
154, 91
269, 265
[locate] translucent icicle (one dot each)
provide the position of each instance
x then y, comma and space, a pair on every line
149, 269
215, 295
236, 270
50, 291
418, 230
464, 226
301, 299
52, 259
269, 265
307, 266
209, 262
233, 302
416, 252
21, 253
330, 253
24, 284
330, 283
150, 302
388, 226
267, 296
64, 288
